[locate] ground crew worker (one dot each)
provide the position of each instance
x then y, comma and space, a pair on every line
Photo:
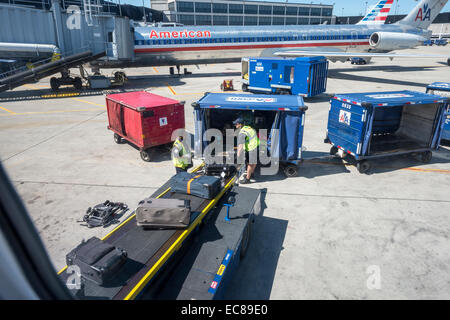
181, 156
247, 142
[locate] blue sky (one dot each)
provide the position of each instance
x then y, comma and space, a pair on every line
351, 7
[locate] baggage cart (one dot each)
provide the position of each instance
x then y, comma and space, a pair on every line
144, 119
305, 76
365, 126
282, 116
442, 89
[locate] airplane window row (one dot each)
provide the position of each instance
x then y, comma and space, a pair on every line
250, 39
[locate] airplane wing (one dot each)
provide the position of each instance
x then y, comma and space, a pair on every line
343, 56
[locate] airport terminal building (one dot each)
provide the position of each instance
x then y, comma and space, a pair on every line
243, 13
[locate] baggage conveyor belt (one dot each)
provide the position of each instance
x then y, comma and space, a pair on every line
149, 251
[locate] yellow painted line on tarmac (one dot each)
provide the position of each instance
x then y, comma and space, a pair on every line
48, 112
171, 89
7, 110
89, 102
426, 170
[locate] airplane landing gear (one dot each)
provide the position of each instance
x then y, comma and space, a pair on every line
172, 71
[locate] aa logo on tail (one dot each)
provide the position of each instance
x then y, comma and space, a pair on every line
424, 13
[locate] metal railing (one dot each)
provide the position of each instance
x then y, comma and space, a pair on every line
99, 6
47, 60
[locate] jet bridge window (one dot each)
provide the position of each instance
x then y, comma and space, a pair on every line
184, 6
291, 11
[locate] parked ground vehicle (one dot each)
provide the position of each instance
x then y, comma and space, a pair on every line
305, 76
365, 126
440, 42
357, 60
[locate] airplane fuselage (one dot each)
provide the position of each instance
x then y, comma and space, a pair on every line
188, 45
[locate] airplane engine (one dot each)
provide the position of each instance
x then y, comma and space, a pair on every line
393, 40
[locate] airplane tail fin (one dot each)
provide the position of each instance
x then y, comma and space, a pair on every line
424, 13
378, 14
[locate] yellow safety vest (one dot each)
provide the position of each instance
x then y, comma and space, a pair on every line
251, 138
180, 162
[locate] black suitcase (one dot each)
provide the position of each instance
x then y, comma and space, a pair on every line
206, 187
163, 213
98, 261
220, 170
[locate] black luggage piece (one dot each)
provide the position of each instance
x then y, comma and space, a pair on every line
163, 213
220, 170
98, 261
104, 214
206, 187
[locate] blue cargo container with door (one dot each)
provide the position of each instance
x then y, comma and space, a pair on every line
364, 126
305, 76
282, 116
442, 89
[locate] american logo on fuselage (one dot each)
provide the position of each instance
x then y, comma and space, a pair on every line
424, 13
244, 99
179, 34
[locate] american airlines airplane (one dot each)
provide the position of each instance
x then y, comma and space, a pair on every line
187, 45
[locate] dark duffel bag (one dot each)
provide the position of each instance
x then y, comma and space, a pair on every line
220, 170
202, 186
98, 261
163, 213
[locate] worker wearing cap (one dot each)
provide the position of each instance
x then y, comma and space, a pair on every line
181, 156
247, 142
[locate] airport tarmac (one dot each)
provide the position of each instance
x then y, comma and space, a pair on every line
330, 233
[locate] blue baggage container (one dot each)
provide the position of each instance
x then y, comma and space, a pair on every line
305, 76
442, 89
370, 125
282, 116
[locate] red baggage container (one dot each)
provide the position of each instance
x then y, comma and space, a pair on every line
144, 119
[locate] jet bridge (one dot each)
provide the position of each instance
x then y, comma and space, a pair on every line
39, 37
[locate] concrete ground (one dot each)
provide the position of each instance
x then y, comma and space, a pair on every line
330, 233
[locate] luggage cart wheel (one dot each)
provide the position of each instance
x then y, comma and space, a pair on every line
145, 155
291, 170
426, 156
117, 138
334, 150
363, 166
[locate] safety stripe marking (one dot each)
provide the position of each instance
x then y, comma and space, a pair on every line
171, 89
